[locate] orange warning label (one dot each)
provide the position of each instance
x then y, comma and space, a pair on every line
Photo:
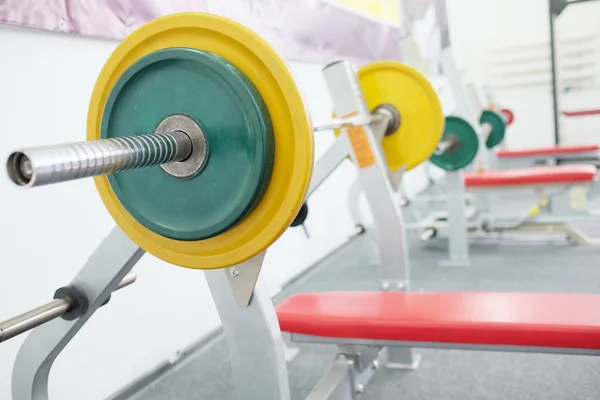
360, 145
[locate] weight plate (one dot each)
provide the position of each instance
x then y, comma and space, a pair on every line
292, 132
466, 150
421, 116
209, 90
509, 115
498, 127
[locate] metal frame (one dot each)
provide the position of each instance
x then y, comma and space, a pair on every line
376, 182
458, 245
556, 7
566, 204
355, 365
100, 275
251, 330
244, 305
373, 343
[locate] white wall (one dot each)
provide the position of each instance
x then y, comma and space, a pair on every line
49, 232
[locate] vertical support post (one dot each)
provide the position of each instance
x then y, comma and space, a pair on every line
366, 152
555, 86
100, 275
253, 336
458, 240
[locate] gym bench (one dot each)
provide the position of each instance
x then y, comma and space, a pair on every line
366, 325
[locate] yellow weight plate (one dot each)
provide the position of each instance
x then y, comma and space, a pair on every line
294, 147
422, 119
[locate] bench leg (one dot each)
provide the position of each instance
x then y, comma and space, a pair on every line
352, 370
255, 342
337, 384
402, 358
458, 240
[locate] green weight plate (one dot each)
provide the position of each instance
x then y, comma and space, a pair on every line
235, 120
464, 153
498, 127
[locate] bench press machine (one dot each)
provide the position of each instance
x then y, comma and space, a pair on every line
562, 191
500, 158
560, 154
369, 326
258, 167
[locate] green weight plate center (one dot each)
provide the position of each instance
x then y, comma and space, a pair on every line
465, 152
235, 120
498, 128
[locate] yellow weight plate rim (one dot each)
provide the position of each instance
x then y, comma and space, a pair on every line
294, 147
422, 118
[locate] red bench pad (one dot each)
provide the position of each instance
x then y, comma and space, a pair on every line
547, 151
511, 319
554, 174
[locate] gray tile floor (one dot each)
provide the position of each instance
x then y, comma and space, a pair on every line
443, 374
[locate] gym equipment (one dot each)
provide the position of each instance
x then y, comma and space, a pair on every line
494, 127
509, 115
514, 322
460, 142
202, 151
556, 7
563, 192
69, 303
397, 93
572, 154
400, 91
301, 217
458, 146
164, 159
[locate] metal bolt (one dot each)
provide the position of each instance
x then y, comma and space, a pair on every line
385, 286
375, 365
360, 389
401, 285
235, 272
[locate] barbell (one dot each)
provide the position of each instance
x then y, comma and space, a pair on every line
460, 142
200, 143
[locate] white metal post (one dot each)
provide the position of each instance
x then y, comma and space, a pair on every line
368, 156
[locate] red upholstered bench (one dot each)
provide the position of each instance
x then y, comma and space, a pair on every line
547, 151
548, 175
566, 321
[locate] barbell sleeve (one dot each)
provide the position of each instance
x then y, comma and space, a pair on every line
447, 144
45, 165
442, 147
40, 315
